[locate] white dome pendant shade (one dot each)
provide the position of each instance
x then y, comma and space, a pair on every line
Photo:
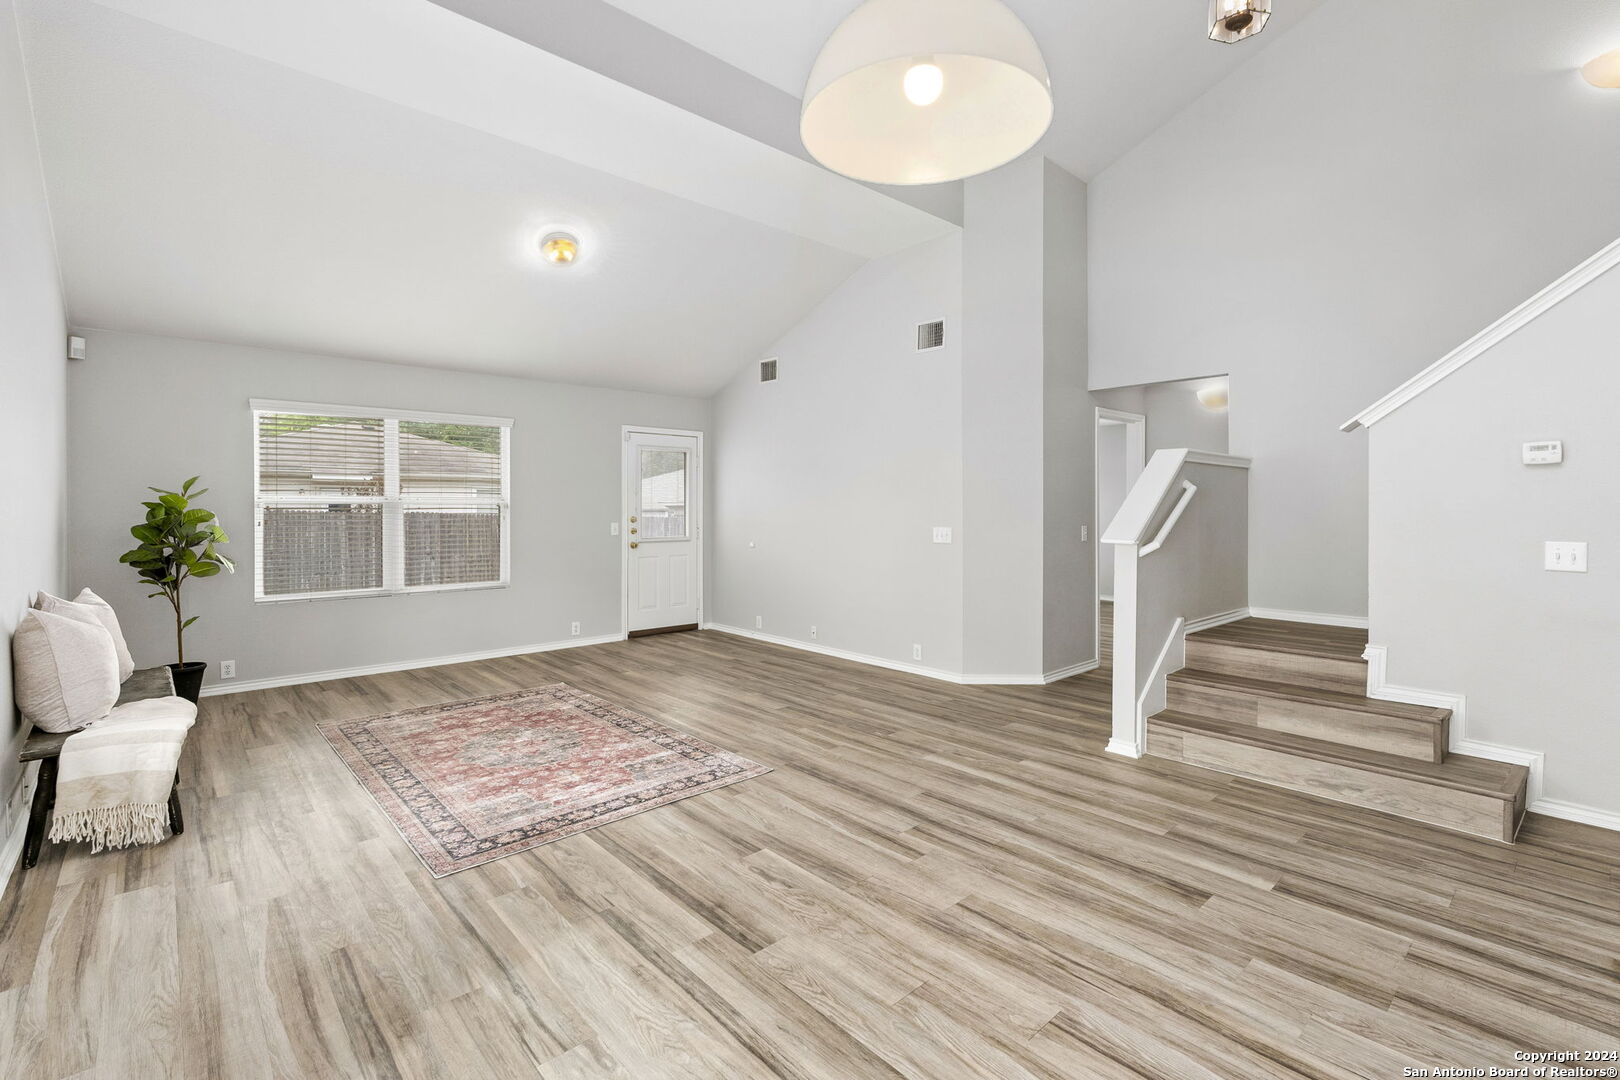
925, 91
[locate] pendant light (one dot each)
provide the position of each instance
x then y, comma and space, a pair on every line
925, 91
1234, 20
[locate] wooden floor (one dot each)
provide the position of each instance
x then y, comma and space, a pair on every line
937, 882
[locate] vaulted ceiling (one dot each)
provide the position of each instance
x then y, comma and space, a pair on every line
370, 179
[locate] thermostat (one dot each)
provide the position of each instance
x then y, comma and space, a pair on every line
1543, 453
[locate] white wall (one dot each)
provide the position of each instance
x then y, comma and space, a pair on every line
33, 421
1110, 494
1459, 596
837, 472
153, 411
1347, 206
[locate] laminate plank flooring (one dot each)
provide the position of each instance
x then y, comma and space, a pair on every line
937, 882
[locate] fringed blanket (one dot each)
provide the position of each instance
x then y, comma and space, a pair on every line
114, 778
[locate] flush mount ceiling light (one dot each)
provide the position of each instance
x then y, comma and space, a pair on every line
1604, 71
1214, 398
560, 248
925, 91
1234, 20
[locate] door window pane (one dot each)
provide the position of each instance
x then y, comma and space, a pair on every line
661, 494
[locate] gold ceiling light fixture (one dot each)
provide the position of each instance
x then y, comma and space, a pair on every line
1604, 71
1234, 20
560, 248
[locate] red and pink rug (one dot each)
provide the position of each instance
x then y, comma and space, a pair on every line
471, 781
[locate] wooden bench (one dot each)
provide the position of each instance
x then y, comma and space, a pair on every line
45, 747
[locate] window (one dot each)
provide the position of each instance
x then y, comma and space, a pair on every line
352, 502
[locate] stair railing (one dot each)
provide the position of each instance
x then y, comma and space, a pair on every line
1199, 573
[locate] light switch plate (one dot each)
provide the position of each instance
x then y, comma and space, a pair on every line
942, 534
613, 528
1567, 556
1547, 452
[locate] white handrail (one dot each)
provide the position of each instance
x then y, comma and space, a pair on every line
1188, 490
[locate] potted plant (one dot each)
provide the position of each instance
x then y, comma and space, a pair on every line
177, 544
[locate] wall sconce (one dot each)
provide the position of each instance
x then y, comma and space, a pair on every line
1604, 71
1214, 398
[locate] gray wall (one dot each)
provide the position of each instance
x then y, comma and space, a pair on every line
1459, 595
837, 472
1068, 562
33, 420
1027, 469
1353, 202
1003, 379
1110, 494
149, 410
1175, 419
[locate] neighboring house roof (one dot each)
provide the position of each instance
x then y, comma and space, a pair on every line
355, 450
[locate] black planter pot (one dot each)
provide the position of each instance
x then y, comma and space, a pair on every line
188, 679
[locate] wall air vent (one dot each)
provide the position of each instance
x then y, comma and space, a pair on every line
930, 335
767, 370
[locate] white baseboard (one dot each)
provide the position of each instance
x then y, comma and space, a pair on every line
1320, 618
234, 687
1210, 621
1586, 815
909, 668
1377, 657
11, 852
1071, 671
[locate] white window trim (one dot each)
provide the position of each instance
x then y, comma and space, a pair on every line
391, 501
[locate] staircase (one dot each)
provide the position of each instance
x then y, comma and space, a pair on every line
1285, 704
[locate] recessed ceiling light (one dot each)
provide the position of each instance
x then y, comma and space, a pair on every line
1604, 71
925, 91
560, 248
1233, 20
1214, 398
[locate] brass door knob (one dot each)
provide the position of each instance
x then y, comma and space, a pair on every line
632, 521
634, 530
634, 544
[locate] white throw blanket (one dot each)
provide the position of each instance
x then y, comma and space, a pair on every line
114, 778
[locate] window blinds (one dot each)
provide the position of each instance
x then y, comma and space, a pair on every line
349, 503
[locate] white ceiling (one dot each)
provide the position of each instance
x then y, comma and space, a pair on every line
201, 192
368, 177
1120, 68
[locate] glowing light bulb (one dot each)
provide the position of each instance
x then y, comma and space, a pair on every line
924, 83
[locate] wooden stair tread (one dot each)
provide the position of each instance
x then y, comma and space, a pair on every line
1310, 695
1276, 635
1481, 776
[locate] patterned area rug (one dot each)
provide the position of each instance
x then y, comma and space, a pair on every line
468, 782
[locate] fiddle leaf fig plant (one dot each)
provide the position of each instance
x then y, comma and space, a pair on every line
177, 543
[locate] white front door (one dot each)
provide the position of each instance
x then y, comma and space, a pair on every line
663, 514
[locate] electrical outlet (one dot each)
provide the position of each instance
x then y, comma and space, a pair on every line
573, 628
812, 633
1084, 532
759, 622
916, 652
227, 669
